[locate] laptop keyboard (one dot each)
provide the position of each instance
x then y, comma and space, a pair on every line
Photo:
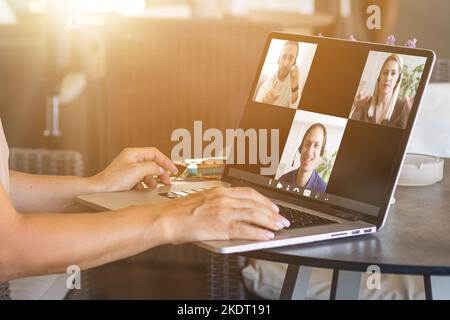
301, 219
181, 194
298, 218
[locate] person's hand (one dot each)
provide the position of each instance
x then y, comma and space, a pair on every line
295, 77
361, 99
133, 167
273, 94
220, 214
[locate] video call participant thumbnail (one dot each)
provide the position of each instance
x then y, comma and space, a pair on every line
283, 87
311, 150
385, 107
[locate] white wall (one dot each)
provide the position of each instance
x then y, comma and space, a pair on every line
429, 22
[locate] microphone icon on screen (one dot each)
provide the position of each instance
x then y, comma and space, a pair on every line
295, 157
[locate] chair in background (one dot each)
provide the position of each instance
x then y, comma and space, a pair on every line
52, 162
441, 72
4, 291
70, 163
47, 162
224, 271
224, 277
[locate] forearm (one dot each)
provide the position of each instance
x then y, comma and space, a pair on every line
49, 243
260, 96
35, 193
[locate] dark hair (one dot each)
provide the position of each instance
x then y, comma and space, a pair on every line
324, 142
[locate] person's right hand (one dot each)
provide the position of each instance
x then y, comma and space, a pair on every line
220, 214
272, 95
360, 99
132, 167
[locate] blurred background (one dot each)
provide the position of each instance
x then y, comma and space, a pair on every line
96, 76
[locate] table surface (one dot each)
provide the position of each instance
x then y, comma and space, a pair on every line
415, 239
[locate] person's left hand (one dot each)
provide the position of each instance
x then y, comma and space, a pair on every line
295, 77
133, 167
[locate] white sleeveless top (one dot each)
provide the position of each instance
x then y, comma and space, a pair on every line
4, 155
4, 172
52, 287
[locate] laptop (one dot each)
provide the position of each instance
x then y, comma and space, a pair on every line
338, 116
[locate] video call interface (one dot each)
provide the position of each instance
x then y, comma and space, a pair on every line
341, 117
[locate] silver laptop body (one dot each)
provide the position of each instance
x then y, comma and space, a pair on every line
360, 219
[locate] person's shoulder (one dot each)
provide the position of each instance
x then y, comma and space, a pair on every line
405, 102
264, 84
402, 111
321, 185
269, 79
403, 106
289, 177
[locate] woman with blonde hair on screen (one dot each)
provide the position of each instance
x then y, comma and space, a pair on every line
385, 106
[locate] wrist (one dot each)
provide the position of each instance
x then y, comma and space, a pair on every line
147, 223
294, 90
95, 184
167, 224
158, 226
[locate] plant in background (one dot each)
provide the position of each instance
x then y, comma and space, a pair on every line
412, 43
391, 40
411, 80
325, 168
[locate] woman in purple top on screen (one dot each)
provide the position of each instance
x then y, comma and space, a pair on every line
311, 152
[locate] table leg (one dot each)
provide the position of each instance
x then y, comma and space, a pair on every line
437, 288
345, 285
295, 283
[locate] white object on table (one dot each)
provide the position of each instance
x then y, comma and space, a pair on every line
430, 140
431, 135
421, 170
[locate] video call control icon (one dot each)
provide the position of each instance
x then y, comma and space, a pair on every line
287, 187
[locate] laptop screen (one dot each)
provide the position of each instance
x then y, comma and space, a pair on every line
337, 115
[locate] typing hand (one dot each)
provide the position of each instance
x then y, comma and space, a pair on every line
134, 167
220, 214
